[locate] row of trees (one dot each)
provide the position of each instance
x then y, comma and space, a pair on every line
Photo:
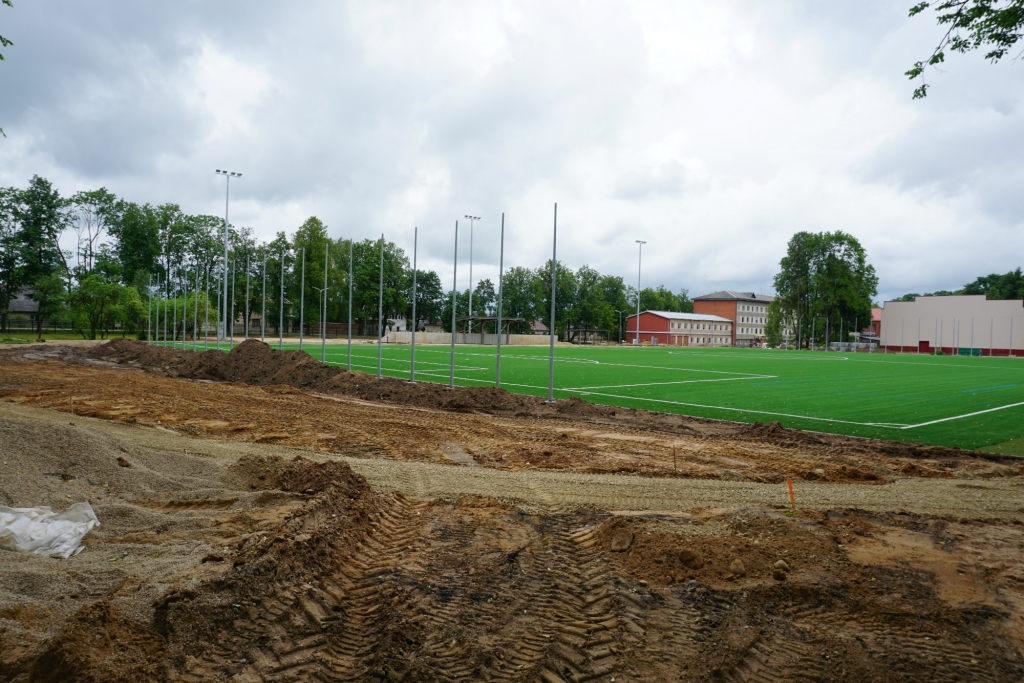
127, 253
1006, 286
825, 286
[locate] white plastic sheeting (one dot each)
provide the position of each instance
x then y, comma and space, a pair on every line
41, 531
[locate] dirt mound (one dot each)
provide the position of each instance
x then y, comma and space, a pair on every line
299, 476
97, 645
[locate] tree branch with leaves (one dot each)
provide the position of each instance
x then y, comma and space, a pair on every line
971, 25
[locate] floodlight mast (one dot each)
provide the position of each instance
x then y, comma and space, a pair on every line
470, 311
639, 263
228, 175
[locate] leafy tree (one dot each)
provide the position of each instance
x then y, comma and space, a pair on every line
430, 297
1007, 286
42, 217
49, 293
4, 42
10, 253
92, 212
130, 312
566, 291
92, 303
518, 287
971, 25
136, 232
485, 299
824, 279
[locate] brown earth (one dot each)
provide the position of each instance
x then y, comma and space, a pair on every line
291, 399
219, 559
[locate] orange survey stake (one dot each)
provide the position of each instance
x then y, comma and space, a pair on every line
792, 500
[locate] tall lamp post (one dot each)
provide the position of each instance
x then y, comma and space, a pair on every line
470, 311
228, 175
639, 262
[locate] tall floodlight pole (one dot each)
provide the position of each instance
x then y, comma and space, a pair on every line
323, 318
470, 312
501, 276
412, 350
350, 305
263, 311
228, 175
639, 264
455, 272
280, 309
554, 270
380, 307
302, 298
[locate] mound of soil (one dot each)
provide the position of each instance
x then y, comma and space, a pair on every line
256, 363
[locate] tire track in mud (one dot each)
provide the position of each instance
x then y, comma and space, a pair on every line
328, 630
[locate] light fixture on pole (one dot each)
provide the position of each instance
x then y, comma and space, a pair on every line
470, 311
639, 263
228, 175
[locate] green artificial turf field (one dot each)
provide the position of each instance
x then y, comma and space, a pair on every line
967, 402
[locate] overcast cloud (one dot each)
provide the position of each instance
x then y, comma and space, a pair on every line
712, 130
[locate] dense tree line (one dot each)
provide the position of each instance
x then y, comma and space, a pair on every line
1006, 286
824, 288
135, 266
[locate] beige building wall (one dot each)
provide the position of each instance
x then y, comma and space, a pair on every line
700, 332
954, 322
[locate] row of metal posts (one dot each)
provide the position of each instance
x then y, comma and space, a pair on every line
380, 307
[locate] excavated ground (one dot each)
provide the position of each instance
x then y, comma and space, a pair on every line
220, 558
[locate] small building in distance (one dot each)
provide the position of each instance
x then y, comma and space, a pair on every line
680, 329
963, 323
748, 312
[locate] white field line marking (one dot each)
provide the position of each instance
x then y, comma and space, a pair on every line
683, 381
957, 417
745, 410
616, 365
468, 368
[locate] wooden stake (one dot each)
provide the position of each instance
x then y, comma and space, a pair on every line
674, 469
792, 500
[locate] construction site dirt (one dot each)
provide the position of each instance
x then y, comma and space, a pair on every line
265, 518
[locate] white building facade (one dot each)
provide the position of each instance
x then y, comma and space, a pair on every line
966, 324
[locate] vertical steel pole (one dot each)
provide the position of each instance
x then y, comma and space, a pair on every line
247, 265
195, 316
227, 194
455, 272
206, 308
302, 298
501, 275
554, 270
149, 311
220, 301
280, 309
639, 264
350, 305
470, 311
380, 307
323, 317
412, 350
231, 344
263, 311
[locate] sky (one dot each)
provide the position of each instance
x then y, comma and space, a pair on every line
713, 131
